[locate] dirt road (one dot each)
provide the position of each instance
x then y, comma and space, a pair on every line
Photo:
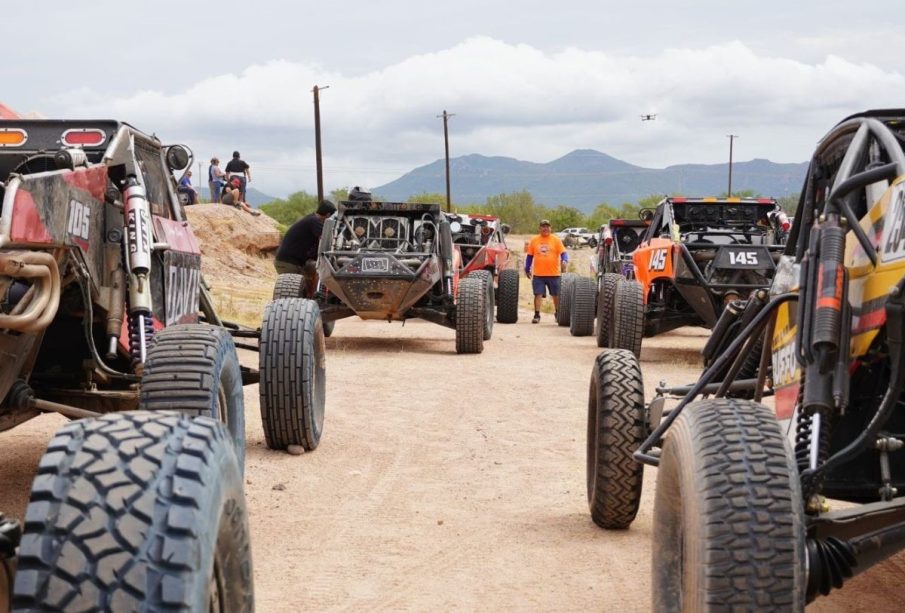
446, 482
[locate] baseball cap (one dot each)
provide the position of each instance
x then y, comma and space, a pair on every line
544, 222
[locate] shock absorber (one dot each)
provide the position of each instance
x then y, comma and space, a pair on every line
138, 259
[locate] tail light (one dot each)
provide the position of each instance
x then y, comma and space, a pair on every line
12, 137
83, 137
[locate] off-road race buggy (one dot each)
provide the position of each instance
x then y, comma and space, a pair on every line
395, 261
100, 292
617, 241
696, 256
744, 514
481, 242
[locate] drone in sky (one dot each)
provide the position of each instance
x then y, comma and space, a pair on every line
649, 117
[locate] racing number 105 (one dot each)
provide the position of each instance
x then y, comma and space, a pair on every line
657, 259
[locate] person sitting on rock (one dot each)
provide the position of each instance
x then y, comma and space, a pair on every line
232, 196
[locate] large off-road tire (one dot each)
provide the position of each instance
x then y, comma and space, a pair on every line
136, 511
627, 323
487, 277
292, 363
728, 514
566, 283
289, 285
292, 285
605, 293
583, 303
616, 428
507, 307
470, 315
194, 369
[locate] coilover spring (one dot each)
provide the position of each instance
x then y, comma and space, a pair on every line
140, 336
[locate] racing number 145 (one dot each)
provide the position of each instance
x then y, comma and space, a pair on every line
657, 259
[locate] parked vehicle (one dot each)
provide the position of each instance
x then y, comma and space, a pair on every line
575, 238
395, 261
481, 241
696, 256
100, 293
742, 516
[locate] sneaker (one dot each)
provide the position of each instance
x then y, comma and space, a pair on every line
536, 319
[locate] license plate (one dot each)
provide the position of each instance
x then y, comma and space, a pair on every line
375, 265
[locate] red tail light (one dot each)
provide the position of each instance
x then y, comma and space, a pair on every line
83, 137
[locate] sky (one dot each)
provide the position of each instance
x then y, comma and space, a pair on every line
531, 80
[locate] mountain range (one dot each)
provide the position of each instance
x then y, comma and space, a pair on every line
585, 178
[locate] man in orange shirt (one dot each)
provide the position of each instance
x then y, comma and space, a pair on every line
548, 255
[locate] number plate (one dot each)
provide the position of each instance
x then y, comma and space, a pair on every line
375, 265
750, 258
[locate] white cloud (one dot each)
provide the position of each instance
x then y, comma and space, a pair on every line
509, 99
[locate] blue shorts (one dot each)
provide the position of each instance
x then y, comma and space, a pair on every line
539, 284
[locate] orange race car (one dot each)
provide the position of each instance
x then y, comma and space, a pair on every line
696, 256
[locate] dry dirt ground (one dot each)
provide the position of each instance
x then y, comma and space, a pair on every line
443, 482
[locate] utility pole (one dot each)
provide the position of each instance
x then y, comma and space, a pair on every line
317, 142
731, 138
446, 117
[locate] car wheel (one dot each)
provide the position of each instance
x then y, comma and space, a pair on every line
728, 514
292, 363
605, 306
616, 429
137, 511
194, 369
582, 304
470, 315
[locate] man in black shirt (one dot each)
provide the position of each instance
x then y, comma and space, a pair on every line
237, 167
298, 249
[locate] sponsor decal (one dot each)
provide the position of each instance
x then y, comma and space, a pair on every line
894, 227
182, 293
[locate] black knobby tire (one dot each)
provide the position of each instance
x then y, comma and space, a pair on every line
507, 306
289, 285
567, 282
194, 369
583, 304
627, 323
608, 283
470, 315
292, 285
728, 514
292, 363
616, 428
487, 278
136, 511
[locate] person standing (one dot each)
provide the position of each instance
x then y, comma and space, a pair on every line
216, 179
549, 259
237, 167
298, 249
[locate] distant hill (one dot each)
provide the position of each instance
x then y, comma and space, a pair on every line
584, 178
254, 197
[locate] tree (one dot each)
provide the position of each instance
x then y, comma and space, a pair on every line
566, 217
296, 206
429, 198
